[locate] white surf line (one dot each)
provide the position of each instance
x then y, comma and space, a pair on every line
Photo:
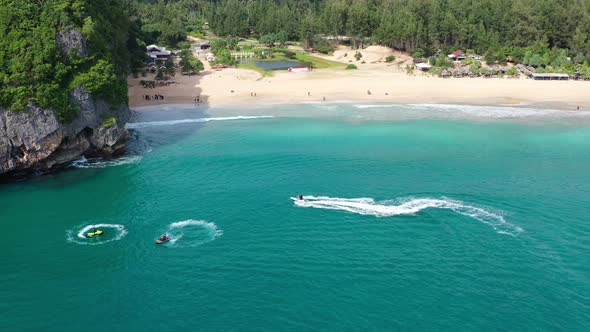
368, 206
496, 111
100, 163
138, 125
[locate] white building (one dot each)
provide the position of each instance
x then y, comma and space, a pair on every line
423, 66
158, 52
299, 69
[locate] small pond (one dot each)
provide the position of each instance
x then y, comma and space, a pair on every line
276, 65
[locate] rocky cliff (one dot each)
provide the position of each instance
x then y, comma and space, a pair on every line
35, 140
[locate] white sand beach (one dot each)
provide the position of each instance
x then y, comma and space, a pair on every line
373, 81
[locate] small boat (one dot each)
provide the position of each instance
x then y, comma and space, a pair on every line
98, 232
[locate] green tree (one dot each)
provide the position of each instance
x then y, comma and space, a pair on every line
308, 30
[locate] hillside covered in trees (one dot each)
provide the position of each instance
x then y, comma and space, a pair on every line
33, 69
486, 26
49, 47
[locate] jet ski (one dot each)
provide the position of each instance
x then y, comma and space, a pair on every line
163, 239
297, 198
98, 232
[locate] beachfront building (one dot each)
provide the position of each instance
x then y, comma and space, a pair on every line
458, 55
550, 77
158, 52
423, 66
298, 69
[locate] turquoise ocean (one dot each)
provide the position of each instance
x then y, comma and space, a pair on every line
416, 217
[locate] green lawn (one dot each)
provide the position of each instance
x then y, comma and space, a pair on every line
318, 62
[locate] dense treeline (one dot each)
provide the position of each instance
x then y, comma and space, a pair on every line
410, 24
494, 27
169, 22
33, 68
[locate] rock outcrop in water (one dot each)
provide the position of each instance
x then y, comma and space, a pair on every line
35, 139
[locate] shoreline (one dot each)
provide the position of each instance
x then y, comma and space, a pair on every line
373, 82
361, 104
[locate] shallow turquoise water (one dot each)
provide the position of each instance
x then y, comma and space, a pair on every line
417, 217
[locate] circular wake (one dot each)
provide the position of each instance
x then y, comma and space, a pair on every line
112, 232
406, 206
192, 233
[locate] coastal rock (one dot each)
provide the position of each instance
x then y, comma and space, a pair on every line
27, 137
70, 39
35, 140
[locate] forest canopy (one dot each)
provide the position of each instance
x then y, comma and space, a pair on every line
495, 27
33, 67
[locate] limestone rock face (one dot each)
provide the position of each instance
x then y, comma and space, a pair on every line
35, 140
70, 39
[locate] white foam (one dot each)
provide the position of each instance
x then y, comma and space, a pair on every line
376, 106
496, 112
513, 111
181, 229
81, 238
408, 206
101, 163
139, 125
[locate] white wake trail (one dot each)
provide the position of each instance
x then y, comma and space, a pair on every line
112, 232
193, 233
408, 206
139, 125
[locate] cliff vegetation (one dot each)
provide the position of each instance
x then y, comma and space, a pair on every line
49, 47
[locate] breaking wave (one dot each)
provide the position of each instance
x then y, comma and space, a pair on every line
497, 112
112, 232
102, 163
408, 206
364, 106
139, 125
480, 111
192, 233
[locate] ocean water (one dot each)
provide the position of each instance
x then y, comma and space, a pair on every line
415, 218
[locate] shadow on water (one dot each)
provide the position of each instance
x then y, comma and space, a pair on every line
141, 140
165, 125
